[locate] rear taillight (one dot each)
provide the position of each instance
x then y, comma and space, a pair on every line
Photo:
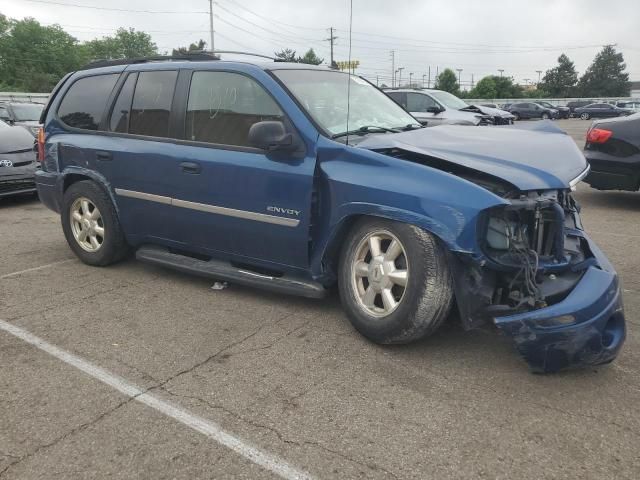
598, 135
41, 145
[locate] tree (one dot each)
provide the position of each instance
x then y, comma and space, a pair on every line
310, 57
194, 47
605, 77
447, 81
485, 88
560, 81
286, 55
34, 57
125, 44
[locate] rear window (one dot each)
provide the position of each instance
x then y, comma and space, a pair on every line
152, 103
85, 101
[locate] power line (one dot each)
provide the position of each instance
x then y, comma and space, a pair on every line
93, 7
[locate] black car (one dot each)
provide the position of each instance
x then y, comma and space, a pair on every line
601, 110
17, 161
613, 151
577, 104
532, 110
22, 114
563, 112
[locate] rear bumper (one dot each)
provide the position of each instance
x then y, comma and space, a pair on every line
613, 173
49, 189
586, 328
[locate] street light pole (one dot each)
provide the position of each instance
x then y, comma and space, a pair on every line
539, 72
423, 80
501, 71
211, 23
400, 76
410, 75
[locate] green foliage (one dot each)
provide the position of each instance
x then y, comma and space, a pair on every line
605, 77
194, 47
34, 57
485, 88
288, 55
448, 82
560, 81
125, 44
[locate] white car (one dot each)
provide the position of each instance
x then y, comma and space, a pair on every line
437, 107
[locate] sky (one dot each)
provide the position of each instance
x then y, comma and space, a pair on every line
480, 37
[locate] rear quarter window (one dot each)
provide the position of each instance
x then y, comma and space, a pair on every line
85, 101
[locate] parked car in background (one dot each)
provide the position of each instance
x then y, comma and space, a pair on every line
17, 161
613, 151
22, 114
276, 186
527, 110
437, 107
600, 110
577, 104
563, 112
633, 105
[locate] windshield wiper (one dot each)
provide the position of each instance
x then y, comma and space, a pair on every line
366, 129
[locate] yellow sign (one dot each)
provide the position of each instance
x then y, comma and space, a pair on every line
352, 65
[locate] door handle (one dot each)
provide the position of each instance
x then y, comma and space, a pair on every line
190, 167
103, 156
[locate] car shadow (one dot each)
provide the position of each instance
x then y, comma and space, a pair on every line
26, 199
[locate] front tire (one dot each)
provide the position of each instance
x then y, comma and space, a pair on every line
90, 225
394, 281
545, 116
516, 116
585, 116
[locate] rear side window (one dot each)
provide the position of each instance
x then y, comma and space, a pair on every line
85, 101
399, 97
223, 106
152, 103
119, 121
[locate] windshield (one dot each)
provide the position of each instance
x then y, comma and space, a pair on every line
27, 112
448, 100
323, 94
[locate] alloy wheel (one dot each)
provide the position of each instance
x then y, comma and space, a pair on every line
87, 225
380, 273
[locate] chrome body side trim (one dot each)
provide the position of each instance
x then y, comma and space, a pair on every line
204, 207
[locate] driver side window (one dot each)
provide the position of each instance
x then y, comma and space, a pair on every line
417, 102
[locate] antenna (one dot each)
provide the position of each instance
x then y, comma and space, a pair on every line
349, 74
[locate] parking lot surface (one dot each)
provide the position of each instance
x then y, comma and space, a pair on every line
288, 377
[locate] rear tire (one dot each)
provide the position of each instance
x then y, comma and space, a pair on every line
398, 291
585, 116
90, 225
545, 116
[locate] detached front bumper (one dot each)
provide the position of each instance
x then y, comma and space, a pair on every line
586, 328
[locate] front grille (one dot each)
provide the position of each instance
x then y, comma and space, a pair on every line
8, 186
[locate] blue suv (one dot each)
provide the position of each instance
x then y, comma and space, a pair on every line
297, 178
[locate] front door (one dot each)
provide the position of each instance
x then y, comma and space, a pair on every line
231, 197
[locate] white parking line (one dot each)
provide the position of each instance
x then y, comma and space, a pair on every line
199, 424
15, 274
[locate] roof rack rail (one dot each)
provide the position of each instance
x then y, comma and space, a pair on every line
237, 52
195, 56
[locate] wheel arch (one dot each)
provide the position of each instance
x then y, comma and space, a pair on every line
74, 174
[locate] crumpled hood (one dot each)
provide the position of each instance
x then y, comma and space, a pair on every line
530, 156
494, 112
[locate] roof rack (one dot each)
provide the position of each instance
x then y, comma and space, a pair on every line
193, 56
197, 56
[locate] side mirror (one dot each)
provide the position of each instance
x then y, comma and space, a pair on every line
271, 136
434, 110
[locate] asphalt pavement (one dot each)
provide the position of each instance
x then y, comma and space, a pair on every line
133, 371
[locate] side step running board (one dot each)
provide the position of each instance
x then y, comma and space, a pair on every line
220, 270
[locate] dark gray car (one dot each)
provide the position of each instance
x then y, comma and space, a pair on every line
17, 161
22, 114
532, 110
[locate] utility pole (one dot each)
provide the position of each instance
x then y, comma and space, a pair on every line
400, 76
211, 24
429, 82
459, 72
539, 72
423, 80
393, 68
410, 75
472, 82
526, 81
331, 39
501, 70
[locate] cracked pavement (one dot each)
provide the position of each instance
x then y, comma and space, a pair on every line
291, 376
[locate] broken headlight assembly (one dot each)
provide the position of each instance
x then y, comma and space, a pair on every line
535, 248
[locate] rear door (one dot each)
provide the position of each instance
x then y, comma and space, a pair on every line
139, 158
232, 197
